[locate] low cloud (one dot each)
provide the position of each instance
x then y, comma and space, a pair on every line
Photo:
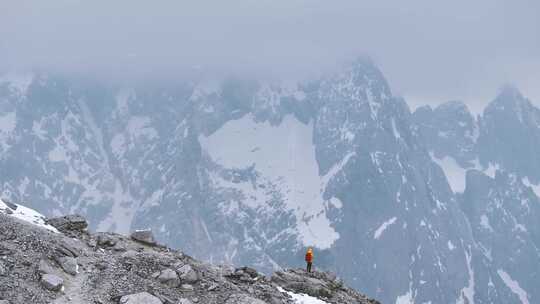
430, 52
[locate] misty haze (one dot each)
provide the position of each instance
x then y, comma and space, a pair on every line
269, 152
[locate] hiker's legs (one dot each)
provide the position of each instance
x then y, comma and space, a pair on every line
309, 267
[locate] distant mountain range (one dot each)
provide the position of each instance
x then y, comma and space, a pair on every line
435, 206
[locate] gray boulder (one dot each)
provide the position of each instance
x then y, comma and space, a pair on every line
45, 267
187, 287
187, 274
71, 247
169, 277
69, 264
106, 240
140, 298
144, 236
52, 282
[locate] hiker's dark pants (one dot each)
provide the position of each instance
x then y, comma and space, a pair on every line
309, 266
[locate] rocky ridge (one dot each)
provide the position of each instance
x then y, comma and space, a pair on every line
75, 266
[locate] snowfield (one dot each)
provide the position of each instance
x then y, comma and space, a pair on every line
25, 214
283, 155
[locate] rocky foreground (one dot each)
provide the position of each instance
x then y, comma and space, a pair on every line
40, 265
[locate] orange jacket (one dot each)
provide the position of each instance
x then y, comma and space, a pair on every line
309, 257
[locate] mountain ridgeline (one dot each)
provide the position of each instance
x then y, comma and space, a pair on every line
434, 206
64, 263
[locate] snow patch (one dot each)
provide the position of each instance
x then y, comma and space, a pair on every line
122, 211
335, 170
300, 298
137, 129
283, 156
467, 293
455, 174
8, 122
405, 298
484, 222
336, 203
383, 227
514, 286
491, 169
26, 214
395, 130
39, 130
535, 187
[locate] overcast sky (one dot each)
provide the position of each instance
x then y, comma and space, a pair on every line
430, 51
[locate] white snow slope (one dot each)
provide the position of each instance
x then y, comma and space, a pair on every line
26, 214
283, 155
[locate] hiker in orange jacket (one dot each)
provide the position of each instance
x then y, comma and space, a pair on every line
309, 258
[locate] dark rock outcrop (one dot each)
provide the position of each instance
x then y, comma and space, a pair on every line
144, 236
66, 223
324, 285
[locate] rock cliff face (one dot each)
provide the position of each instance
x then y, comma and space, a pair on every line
73, 266
250, 173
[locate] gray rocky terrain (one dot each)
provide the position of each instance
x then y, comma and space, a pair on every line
74, 266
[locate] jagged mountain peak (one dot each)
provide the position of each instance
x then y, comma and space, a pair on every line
511, 101
510, 133
359, 80
509, 92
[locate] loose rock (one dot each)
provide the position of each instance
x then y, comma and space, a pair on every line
52, 282
187, 287
105, 240
140, 298
169, 277
188, 274
144, 236
69, 264
45, 268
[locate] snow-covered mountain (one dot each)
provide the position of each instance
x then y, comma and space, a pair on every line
435, 206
